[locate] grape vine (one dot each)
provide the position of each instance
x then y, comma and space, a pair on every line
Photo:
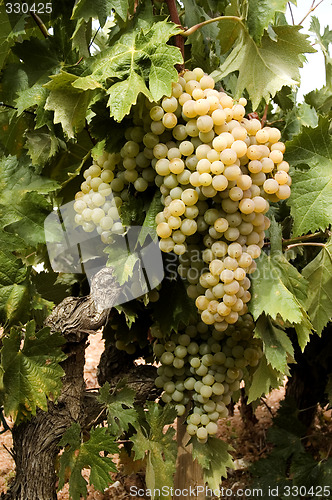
216, 171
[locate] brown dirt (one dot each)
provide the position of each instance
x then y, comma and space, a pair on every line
247, 439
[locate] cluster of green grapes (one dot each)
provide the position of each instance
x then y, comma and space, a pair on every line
205, 366
107, 180
217, 176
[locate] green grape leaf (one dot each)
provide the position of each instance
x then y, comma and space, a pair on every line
12, 26
146, 49
159, 448
174, 308
120, 408
123, 266
17, 178
32, 373
149, 224
261, 13
264, 379
13, 129
214, 458
14, 294
35, 97
78, 455
69, 103
306, 471
279, 290
101, 9
26, 217
41, 146
311, 197
204, 42
265, 69
324, 41
81, 38
22, 207
319, 299
5, 30
123, 95
321, 100
277, 346
270, 293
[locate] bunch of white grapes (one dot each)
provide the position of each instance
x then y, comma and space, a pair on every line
205, 366
108, 180
217, 176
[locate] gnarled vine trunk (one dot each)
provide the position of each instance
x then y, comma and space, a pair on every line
36, 442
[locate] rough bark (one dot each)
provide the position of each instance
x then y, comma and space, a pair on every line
246, 410
36, 442
309, 375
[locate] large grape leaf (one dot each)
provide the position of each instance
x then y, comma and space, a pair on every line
120, 408
277, 346
214, 458
138, 56
311, 197
78, 455
279, 290
159, 447
261, 13
265, 69
319, 299
32, 373
69, 104
264, 379
101, 9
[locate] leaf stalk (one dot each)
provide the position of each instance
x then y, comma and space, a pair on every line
194, 28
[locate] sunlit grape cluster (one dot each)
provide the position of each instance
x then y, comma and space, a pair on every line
217, 175
205, 366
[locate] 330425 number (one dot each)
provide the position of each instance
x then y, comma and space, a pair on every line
24, 8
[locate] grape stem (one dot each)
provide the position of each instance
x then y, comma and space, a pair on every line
40, 24
291, 12
13, 107
312, 8
179, 41
312, 244
305, 237
194, 28
263, 120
